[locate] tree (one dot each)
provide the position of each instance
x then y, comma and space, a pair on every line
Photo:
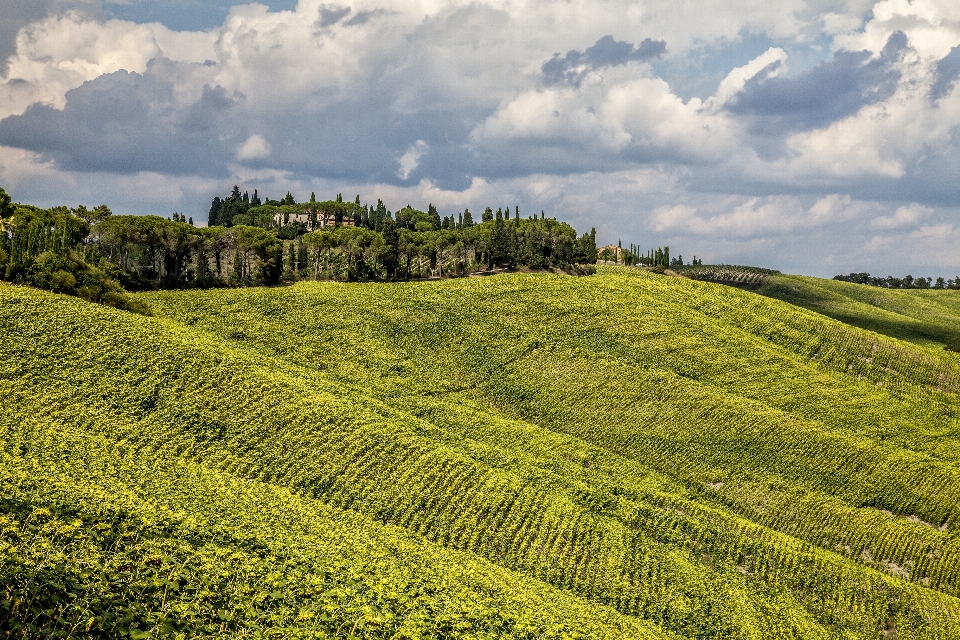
214, 218
237, 266
6, 205
391, 250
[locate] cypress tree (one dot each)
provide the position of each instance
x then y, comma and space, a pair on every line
214, 218
391, 253
237, 266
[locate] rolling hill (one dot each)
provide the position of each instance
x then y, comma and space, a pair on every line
623, 455
924, 316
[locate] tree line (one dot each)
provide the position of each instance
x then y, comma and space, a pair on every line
906, 282
97, 255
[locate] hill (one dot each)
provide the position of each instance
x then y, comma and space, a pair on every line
924, 316
524, 455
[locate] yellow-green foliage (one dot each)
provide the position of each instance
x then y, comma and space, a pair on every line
925, 316
624, 455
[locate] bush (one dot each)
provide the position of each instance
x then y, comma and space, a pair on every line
953, 344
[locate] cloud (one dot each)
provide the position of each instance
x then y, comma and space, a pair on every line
606, 52
903, 217
778, 215
830, 91
807, 127
946, 74
64, 50
127, 123
331, 14
751, 218
16, 15
770, 64
254, 148
408, 162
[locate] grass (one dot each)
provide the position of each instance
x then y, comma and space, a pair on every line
525, 455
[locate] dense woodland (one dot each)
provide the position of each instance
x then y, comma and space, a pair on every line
97, 255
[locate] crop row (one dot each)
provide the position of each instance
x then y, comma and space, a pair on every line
383, 463
101, 539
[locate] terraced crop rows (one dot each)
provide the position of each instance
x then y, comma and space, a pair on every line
630, 440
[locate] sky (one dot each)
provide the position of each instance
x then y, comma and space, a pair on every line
811, 136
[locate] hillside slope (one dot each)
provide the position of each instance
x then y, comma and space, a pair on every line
623, 455
925, 316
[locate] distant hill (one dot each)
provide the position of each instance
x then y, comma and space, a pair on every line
924, 316
625, 455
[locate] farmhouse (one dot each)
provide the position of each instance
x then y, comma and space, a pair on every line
311, 218
615, 252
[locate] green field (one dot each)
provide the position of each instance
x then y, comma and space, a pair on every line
625, 455
924, 316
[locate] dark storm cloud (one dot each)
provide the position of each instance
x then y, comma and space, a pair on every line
606, 52
336, 142
828, 92
125, 123
948, 70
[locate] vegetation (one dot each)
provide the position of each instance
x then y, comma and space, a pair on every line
45, 249
906, 282
526, 455
733, 275
96, 255
929, 317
